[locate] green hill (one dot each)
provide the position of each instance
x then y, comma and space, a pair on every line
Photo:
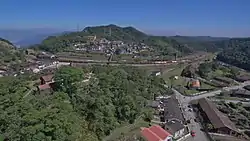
236, 52
9, 55
201, 43
161, 45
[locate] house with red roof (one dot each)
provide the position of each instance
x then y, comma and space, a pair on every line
46, 84
46, 79
156, 133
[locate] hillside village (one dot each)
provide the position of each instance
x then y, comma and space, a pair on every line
185, 97
109, 47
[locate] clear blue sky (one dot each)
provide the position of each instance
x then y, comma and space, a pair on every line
212, 17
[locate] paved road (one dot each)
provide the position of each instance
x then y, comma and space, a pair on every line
194, 126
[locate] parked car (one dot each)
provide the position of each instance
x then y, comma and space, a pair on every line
192, 133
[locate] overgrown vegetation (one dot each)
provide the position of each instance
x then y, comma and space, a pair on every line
239, 114
77, 109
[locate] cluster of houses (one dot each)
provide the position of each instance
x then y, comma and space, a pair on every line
105, 46
173, 125
172, 122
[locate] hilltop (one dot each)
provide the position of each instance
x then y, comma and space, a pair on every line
5, 44
161, 45
9, 54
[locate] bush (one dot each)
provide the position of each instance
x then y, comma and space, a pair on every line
233, 105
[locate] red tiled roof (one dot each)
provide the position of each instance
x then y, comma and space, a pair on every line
155, 133
150, 136
163, 134
44, 87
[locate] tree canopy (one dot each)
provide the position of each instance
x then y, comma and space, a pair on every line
84, 106
236, 52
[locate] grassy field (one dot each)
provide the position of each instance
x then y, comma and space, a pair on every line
175, 70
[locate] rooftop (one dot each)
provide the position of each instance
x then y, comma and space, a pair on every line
217, 118
47, 78
173, 126
155, 133
172, 109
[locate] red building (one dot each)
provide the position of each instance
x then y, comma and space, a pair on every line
156, 133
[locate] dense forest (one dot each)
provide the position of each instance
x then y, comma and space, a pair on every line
202, 43
162, 45
236, 52
77, 110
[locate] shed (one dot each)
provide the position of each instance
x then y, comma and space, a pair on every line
220, 122
46, 79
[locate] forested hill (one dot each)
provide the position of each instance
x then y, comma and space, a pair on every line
9, 55
6, 41
236, 52
202, 43
162, 45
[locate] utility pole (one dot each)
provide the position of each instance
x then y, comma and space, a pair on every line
77, 28
110, 31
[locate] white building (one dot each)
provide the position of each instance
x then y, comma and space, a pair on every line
173, 117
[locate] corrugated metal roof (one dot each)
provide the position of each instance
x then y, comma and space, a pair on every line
217, 118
